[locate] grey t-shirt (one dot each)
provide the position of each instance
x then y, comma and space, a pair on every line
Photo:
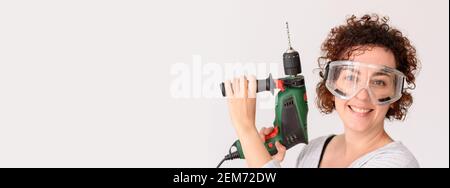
392, 155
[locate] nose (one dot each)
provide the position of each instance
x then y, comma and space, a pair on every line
363, 95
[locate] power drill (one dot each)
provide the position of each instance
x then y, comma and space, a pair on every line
291, 106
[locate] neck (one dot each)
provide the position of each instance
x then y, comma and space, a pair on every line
358, 143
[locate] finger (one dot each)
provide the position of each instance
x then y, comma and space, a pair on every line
268, 130
228, 89
281, 151
236, 87
252, 86
243, 86
261, 134
280, 146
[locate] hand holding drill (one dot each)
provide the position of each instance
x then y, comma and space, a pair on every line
241, 96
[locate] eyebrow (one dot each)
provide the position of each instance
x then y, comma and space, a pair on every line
381, 74
349, 68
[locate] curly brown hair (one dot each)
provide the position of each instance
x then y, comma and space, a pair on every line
360, 34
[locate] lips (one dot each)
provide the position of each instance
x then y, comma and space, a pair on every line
360, 110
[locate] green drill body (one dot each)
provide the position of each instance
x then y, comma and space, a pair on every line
291, 107
290, 127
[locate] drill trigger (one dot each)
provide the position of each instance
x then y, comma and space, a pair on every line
272, 134
280, 85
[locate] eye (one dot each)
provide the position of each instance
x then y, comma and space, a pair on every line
349, 77
379, 83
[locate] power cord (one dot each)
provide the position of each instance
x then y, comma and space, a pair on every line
230, 156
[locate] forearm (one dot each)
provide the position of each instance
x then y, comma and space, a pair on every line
254, 150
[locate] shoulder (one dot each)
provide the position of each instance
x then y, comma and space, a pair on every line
393, 155
310, 155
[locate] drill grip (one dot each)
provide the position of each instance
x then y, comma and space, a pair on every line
267, 84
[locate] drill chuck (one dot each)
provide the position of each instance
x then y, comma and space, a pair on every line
291, 62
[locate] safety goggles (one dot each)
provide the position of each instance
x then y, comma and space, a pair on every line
345, 79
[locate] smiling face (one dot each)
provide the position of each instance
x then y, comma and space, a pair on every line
359, 113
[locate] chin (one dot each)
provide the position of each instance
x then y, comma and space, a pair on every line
356, 126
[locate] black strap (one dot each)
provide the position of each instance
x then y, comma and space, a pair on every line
327, 141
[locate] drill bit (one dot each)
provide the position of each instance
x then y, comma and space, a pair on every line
289, 36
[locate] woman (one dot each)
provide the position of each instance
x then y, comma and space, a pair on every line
367, 71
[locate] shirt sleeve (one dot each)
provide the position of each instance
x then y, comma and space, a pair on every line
391, 161
397, 156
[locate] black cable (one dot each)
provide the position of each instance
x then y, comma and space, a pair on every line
230, 156
223, 160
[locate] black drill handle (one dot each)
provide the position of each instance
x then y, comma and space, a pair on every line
267, 84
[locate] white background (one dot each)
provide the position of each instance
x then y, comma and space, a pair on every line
87, 83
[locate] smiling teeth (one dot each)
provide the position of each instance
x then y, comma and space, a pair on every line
360, 110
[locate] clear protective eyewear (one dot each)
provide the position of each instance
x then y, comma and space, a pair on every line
345, 79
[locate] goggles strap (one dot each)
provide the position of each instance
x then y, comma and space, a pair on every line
327, 67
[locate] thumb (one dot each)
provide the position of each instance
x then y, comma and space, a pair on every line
281, 151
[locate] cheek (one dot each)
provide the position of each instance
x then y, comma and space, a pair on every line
382, 111
340, 104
